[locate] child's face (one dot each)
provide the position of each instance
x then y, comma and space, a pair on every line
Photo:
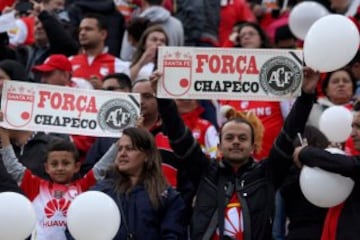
61, 166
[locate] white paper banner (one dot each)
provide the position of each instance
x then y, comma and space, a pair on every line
49, 108
229, 73
7, 21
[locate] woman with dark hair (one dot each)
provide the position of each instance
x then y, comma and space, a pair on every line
248, 35
335, 94
339, 88
251, 35
150, 208
144, 59
135, 28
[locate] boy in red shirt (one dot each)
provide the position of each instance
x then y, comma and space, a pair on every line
51, 199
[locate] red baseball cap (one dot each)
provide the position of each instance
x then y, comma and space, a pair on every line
54, 62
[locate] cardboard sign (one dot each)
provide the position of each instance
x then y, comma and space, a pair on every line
229, 73
49, 108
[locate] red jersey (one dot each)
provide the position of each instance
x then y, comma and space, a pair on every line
84, 66
6, 3
271, 117
167, 166
203, 131
51, 202
23, 33
234, 223
349, 148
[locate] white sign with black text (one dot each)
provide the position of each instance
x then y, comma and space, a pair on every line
49, 108
229, 73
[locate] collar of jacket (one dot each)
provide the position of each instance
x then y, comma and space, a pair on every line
227, 167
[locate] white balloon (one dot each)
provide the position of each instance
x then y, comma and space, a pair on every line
93, 215
335, 123
18, 217
331, 43
303, 15
324, 189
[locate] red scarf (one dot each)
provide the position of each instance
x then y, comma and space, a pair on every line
331, 222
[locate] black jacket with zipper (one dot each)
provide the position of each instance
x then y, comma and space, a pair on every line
254, 183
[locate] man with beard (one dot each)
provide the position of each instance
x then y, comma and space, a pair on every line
94, 62
235, 194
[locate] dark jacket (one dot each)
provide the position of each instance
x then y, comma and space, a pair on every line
143, 221
306, 220
184, 186
201, 21
254, 183
60, 42
7, 183
346, 166
6, 52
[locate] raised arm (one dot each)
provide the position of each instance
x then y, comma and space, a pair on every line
280, 158
182, 141
101, 167
181, 138
337, 163
11, 162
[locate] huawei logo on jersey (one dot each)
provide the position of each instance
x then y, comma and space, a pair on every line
57, 206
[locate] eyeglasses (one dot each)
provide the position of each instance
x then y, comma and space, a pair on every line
250, 34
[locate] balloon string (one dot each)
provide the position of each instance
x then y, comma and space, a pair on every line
285, 5
300, 138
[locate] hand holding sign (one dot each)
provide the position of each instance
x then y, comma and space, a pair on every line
68, 110
311, 79
233, 74
154, 80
